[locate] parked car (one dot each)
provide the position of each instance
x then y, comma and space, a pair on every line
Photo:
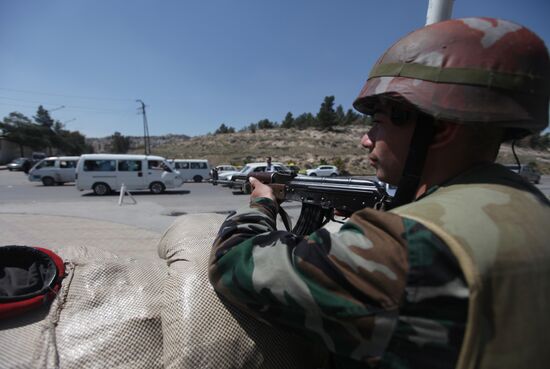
226, 176
23, 164
54, 170
251, 168
103, 173
221, 169
323, 171
226, 168
192, 169
526, 171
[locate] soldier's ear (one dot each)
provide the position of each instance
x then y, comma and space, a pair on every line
445, 133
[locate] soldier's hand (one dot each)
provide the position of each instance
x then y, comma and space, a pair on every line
260, 190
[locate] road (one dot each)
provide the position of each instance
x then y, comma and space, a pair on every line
153, 212
198, 197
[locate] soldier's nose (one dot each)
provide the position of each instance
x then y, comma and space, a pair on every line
366, 142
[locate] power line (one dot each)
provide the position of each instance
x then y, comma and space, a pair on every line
57, 103
74, 107
21, 105
29, 101
68, 108
98, 110
62, 95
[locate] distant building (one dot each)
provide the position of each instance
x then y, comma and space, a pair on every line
100, 145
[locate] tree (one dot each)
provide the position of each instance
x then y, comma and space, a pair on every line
340, 164
120, 143
326, 115
350, 117
340, 115
305, 120
19, 129
43, 118
224, 129
266, 124
288, 122
58, 127
75, 143
55, 136
253, 127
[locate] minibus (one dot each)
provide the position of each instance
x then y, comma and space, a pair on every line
104, 173
192, 169
54, 170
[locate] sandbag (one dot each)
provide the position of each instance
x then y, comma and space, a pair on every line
200, 331
113, 311
106, 314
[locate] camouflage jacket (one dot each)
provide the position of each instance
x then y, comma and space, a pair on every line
383, 291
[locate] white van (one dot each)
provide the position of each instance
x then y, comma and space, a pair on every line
192, 169
54, 170
103, 173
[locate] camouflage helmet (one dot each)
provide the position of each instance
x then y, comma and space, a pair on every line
471, 70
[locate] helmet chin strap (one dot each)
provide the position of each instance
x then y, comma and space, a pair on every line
418, 149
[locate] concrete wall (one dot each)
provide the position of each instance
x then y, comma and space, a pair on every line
10, 151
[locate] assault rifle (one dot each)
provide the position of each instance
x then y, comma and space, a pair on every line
320, 197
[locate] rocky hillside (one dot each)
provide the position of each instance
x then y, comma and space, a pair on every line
305, 148
105, 144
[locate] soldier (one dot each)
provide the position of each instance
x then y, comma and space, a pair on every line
457, 274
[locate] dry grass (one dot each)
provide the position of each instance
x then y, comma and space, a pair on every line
305, 148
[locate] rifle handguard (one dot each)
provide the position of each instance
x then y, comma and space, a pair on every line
277, 182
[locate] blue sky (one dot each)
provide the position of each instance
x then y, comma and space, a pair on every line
200, 63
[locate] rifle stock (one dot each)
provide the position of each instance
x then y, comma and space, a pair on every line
321, 196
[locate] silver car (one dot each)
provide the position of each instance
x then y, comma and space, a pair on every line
323, 171
20, 164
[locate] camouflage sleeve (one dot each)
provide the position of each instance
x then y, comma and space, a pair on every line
341, 289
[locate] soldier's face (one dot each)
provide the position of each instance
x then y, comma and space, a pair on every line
388, 144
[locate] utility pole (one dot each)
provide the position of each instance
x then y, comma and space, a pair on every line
146, 141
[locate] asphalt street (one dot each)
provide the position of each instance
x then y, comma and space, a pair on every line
61, 217
153, 212
32, 214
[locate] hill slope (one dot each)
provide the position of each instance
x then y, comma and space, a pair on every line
305, 148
